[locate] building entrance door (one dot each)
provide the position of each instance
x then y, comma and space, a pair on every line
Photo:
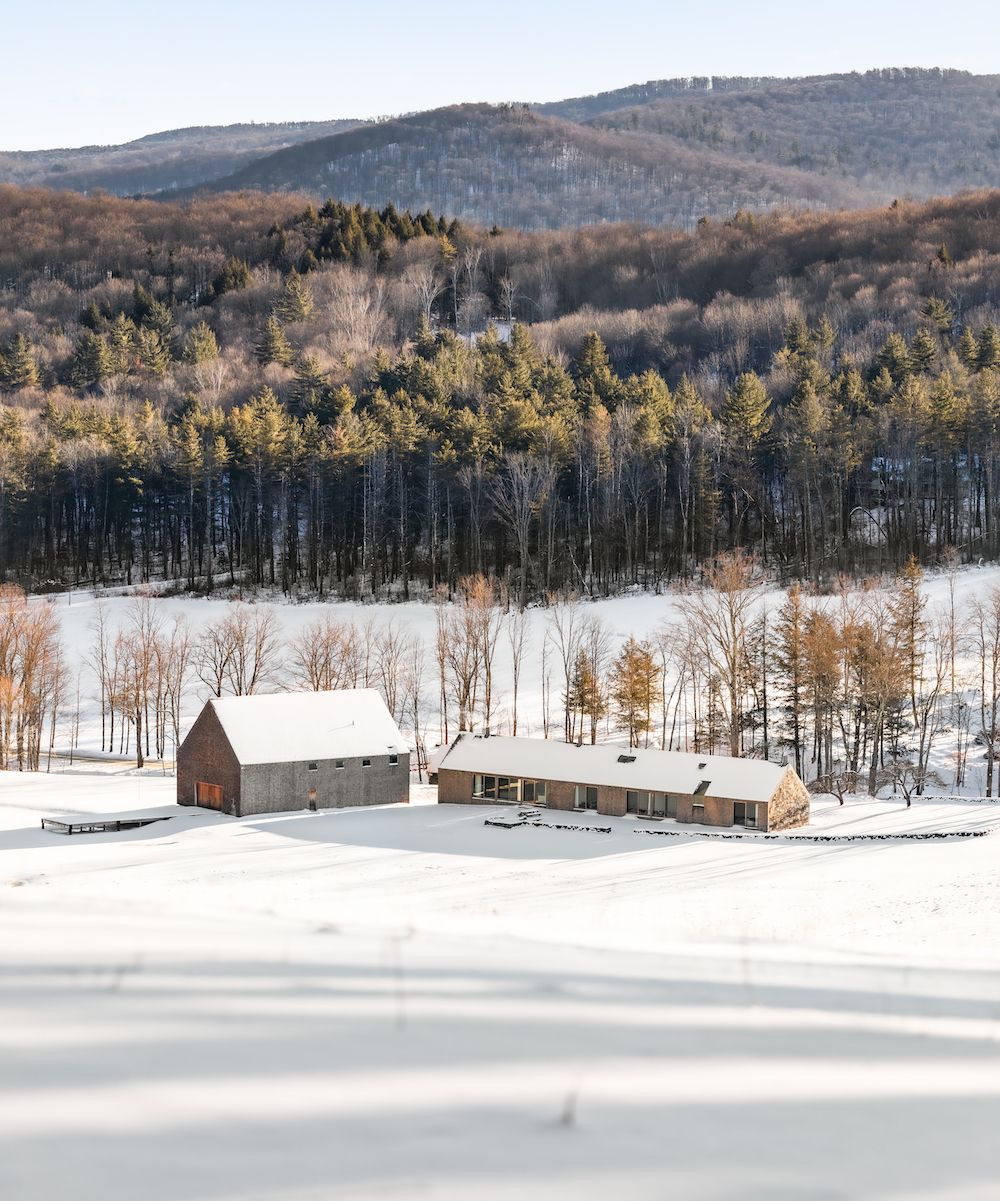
209, 796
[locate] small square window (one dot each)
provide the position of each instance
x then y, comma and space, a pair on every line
314, 767
339, 765
393, 760
366, 762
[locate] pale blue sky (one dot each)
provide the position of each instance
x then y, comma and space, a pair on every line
109, 70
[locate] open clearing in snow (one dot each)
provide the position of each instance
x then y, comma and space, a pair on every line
404, 1002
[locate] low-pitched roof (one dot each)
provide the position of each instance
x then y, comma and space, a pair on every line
616, 767
288, 727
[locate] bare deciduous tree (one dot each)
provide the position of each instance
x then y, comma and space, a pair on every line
518, 492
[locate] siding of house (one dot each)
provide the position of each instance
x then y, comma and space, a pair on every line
277, 787
205, 754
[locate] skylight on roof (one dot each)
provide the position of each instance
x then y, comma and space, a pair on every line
626, 758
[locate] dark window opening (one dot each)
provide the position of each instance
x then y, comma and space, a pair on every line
366, 762
703, 787
626, 758
745, 814
393, 760
314, 767
586, 797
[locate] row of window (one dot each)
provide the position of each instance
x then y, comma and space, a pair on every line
637, 803
510, 789
339, 763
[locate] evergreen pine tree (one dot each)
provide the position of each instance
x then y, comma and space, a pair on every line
91, 362
989, 347
122, 338
154, 356
296, 304
746, 413
894, 357
273, 346
200, 345
923, 351
18, 367
790, 633
968, 349
635, 675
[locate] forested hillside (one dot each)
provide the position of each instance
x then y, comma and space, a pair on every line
510, 165
177, 158
666, 151
917, 133
255, 389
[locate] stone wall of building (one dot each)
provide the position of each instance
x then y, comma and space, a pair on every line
278, 787
789, 806
205, 754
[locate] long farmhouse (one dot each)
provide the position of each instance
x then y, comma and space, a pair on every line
709, 790
293, 750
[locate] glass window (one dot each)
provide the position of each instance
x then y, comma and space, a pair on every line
745, 814
539, 792
631, 801
339, 765
658, 804
477, 785
393, 760
490, 787
366, 762
528, 791
671, 806
314, 767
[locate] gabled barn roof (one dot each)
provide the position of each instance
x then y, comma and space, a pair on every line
616, 767
289, 727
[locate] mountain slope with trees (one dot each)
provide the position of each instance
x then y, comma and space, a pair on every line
667, 151
510, 166
159, 162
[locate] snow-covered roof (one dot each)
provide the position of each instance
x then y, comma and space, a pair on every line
286, 727
615, 767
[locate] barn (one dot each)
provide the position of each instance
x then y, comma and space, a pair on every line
707, 790
293, 750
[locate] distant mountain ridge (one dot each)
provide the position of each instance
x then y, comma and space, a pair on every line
665, 151
159, 162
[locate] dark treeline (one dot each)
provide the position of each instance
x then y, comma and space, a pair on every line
253, 392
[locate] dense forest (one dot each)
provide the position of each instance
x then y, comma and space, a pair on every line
254, 390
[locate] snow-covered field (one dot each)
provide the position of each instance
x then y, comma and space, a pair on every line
404, 1002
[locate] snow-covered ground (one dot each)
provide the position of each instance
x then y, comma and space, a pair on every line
642, 615
404, 1002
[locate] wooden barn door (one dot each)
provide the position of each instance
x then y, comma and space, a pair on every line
209, 796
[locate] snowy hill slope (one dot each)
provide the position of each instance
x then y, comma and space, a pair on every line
403, 1002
